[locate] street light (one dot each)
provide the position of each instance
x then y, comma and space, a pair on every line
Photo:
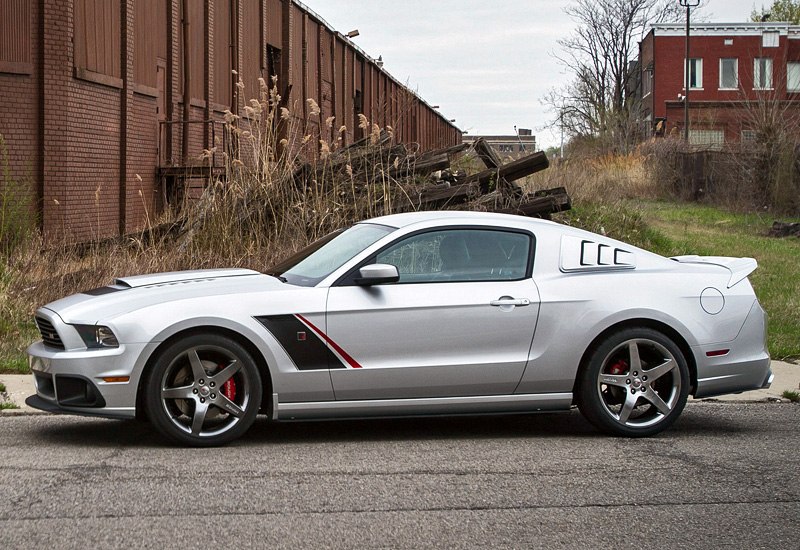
688, 4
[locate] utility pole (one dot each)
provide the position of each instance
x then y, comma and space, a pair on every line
688, 4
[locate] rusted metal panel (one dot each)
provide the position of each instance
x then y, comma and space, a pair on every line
325, 54
15, 36
274, 26
312, 61
298, 94
150, 40
223, 53
195, 17
97, 36
252, 48
366, 90
339, 82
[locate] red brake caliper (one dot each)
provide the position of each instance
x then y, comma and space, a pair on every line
229, 387
619, 367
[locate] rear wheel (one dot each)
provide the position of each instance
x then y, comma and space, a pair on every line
204, 390
635, 384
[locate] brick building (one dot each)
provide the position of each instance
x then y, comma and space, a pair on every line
732, 66
94, 95
509, 146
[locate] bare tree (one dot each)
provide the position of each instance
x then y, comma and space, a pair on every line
780, 10
599, 104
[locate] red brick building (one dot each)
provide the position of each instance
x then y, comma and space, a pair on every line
733, 66
94, 95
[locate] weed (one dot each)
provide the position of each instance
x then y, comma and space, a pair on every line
17, 222
791, 395
5, 405
2, 387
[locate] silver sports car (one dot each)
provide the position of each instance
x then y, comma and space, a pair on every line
412, 314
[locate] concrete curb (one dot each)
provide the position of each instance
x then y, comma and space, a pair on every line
787, 377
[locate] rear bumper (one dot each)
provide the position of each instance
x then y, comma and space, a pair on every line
746, 366
768, 380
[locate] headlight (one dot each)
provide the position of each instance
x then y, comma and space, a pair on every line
97, 336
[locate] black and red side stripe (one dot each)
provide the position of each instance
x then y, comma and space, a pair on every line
307, 345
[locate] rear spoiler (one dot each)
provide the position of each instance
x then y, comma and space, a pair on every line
739, 268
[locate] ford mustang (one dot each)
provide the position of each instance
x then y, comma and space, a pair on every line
424, 313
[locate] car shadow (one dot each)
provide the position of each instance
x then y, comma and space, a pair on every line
567, 424
101, 433
97, 432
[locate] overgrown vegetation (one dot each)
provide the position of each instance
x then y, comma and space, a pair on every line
629, 198
791, 395
17, 213
6, 403
257, 214
260, 214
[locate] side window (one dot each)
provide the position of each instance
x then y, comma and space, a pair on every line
460, 255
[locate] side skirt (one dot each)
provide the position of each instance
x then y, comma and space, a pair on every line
422, 406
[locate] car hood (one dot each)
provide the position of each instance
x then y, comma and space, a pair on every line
130, 293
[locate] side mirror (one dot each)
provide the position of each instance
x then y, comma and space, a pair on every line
377, 274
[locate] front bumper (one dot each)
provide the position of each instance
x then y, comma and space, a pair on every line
73, 381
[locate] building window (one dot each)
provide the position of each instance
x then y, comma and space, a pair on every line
729, 41
770, 39
762, 73
748, 136
707, 137
695, 74
793, 76
647, 82
728, 74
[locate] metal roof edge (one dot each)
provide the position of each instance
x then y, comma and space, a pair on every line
727, 28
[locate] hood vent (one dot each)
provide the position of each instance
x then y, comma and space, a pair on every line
50, 337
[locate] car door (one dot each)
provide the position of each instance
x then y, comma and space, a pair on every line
459, 322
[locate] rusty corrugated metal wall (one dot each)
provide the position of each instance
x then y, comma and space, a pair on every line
283, 38
99, 96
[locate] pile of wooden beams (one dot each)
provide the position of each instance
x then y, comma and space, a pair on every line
431, 181
784, 229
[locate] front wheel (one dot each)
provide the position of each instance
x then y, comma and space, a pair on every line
203, 390
635, 383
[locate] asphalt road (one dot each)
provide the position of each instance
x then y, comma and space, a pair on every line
726, 475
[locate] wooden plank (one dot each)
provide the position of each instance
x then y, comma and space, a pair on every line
449, 151
421, 166
542, 204
486, 153
512, 171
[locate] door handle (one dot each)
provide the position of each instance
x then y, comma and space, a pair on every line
509, 301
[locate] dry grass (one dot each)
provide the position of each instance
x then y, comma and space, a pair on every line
253, 217
605, 179
261, 212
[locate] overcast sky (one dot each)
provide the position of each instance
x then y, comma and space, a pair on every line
486, 64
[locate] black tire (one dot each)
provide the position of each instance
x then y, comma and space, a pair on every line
635, 383
203, 390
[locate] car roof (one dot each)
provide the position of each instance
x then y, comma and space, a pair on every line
451, 216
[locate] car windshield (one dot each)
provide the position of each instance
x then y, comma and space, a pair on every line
321, 258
